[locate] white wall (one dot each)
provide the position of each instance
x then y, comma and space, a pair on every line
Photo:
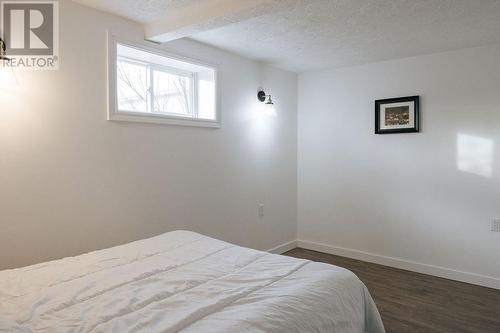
423, 198
72, 182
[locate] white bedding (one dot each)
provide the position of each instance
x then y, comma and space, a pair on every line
183, 281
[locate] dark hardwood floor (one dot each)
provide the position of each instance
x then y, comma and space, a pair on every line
412, 302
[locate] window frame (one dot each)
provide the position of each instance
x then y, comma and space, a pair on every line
114, 114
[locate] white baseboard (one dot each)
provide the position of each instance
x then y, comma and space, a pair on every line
481, 280
280, 249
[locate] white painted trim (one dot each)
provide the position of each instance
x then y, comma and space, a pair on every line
447, 273
162, 119
280, 249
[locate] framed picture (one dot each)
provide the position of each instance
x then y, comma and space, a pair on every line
397, 115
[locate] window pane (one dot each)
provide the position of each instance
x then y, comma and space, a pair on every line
159, 88
172, 93
206, 99
132, 86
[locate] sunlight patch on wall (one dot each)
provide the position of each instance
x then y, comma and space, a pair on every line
475, 155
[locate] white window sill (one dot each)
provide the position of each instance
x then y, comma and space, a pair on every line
162, 119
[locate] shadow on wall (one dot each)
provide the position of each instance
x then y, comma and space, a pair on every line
475, 155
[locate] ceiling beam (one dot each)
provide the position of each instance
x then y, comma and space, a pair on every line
206, 15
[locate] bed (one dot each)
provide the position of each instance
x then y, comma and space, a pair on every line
187, 282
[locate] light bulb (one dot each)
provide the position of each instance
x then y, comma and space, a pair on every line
270, 110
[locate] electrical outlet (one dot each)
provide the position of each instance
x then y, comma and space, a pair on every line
495, 225
261, 210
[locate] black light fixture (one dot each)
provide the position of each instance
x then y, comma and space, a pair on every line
261, 95
3, 49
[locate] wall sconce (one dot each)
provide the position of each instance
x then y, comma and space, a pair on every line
3, 49
270, 110
267, 99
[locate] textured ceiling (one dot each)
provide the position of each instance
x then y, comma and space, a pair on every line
143, 11
316, 34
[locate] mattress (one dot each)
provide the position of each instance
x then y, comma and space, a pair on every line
184, 282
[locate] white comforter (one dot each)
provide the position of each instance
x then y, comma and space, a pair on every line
183, 281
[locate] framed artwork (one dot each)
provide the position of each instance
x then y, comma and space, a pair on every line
397, 115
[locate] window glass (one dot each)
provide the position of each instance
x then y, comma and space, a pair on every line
132, 79
172, 93
153, 87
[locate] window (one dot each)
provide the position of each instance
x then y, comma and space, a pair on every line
147, 85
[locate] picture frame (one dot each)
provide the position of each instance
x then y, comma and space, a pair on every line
397, 115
